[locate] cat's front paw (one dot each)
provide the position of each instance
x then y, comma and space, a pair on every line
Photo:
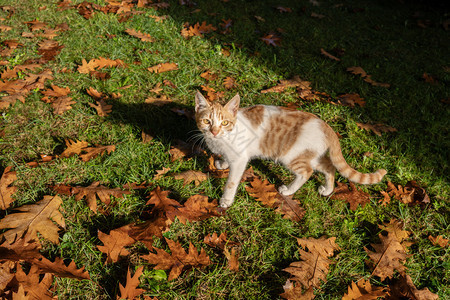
285, 191
221, 164
324, 191
225, 203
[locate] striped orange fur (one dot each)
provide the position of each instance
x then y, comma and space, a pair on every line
299, 140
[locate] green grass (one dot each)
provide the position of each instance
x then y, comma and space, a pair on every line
383, 39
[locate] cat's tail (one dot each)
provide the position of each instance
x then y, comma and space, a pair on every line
342, 166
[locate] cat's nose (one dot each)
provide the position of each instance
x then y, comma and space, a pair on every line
215, 131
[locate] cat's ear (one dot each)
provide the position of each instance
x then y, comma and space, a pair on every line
233, 105
200, 102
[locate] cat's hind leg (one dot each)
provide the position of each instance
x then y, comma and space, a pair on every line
326, 167
302, 169
221, 164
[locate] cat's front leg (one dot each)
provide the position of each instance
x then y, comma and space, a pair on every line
221, 164
237, 169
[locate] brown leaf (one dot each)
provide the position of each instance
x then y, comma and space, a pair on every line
101, 62
33, 286
196, 208
294, 292
6, 188
130, 290
410, 194
229, 83
215, 240
326, 54
209, 76
146, 137
164, 67
159, 100
62, 104
233, 262
96, 190
178, 260
145, 37
376, 128
367, 78
36, 25
6, 274
404, 288
161, 201
272, 39
191, 176
55, 91
211, 93
387, 257
349, 193
364, 290
59, 268
351, 100
161, 173
74, 148
39, 217
296, 81
196, 30
20, 250
48, 49
264, 192
93, 152
102, 108
325, 247
439, 241
114, 244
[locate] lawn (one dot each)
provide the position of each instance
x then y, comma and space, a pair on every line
98, 145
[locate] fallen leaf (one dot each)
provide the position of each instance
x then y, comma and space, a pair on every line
232, 257
101, 62
59, 268
314, 266
146, 137
229, 83
349, 193
164, 67
33, 218
364, 290
178, 260
197, 30
367, 78
102, 108
161, 173
439, 241
378, 129
6, 188
196, 208
62, 104
316, 15
272, 39
114, 244
215, 240
209, 76
145, 37
95, 190
296, 81
191, 176
404, 288
130, 290
55, 91
33, 285
93, 152
74, 148
351, 100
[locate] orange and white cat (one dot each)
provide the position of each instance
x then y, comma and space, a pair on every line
300, 141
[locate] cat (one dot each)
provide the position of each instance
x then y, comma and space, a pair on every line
299, 140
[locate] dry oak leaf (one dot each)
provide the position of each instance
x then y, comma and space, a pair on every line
59, 268
102, 108
271, 39
196, 30
395, 229
265, 192
96, 190
367, 78
211, 93
410, 194
74, 148
161, 201
114, 244
196, 208
209, 76
351, 195
101, 62
93, 152
311, 271
191, 176
296, 81
33, 286
315, 263
364, 290
6, 188
290, 209
6, 274
232, 257
39, 217
215, 240
229, 83
404, 288
351, 100
163, 67
161, 173
178, 260
387, 257
20, 250
378, 129
130, 290
145, 37
55, 91
62, 104
439, 241
294, 292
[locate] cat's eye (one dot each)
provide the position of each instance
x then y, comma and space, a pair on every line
206, 121
225, 123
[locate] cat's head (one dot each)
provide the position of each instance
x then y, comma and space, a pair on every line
213, 119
